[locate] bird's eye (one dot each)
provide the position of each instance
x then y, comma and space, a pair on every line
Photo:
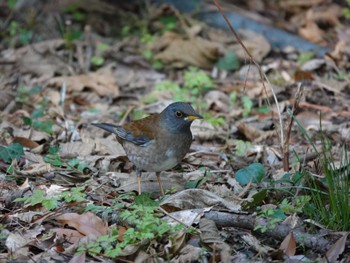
178, 114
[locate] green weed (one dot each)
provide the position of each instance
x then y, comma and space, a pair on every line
52, 202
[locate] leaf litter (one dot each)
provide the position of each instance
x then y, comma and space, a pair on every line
235, 164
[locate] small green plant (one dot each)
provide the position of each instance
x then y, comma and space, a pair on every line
329, 205
55, 159
146, 226
38, 119
105, 211
197, 81
242, 147
2, 234
18, 34
9, 153
169, 22
25, 93
247, 105
229, 62
98, 59
51, 203
75, 12
304, 57
39, 197
13, 151
296, 206
346, 10
273, 217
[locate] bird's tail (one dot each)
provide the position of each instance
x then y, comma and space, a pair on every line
107, 127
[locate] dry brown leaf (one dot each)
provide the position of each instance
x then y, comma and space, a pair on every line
257, 45
210, 236
74, 149
183, 52
25, 142
36, 169
337, 249
218, 101
87, 223
312, 32
256, 244
39, 59
80, 258
198, 198
109, 146
70, 235
8, 93
327, 14
103, 84
288, 245
188, 254
249, 131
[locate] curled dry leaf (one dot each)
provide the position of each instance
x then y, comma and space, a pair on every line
218, 101
16, 244
211, 237
25, 142
70, 235
257, 45
187, 217
288, 245
75, 149
128, 182
188, 254
87, 223
337, 249
255, 243
103, 84
40, 59
205, 131
198, 198
109, 146
312, 32
183, 52
26, 216
36, 169
249, 131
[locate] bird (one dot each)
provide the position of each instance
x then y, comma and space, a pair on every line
158, 142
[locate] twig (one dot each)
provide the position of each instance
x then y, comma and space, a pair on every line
297, 100
227, 219
262, 74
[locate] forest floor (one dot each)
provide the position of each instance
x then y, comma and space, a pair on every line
267, 178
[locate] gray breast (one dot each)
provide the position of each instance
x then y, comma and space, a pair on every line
159, 155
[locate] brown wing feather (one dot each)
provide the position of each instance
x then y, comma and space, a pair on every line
141, 131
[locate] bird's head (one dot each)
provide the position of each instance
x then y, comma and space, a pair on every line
178, 116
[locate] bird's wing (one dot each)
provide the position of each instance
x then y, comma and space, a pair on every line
139, 132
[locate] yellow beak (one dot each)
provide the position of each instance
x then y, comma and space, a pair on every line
193, 117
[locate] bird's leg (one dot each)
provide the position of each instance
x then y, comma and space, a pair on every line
138, 173
160, 183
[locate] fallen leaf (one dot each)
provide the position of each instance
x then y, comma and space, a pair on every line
188, 254
75, 149
25, 142
183, 52
87, 223
312, 32
198, 198
210, 236
337, 249
104, 84
288, 245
